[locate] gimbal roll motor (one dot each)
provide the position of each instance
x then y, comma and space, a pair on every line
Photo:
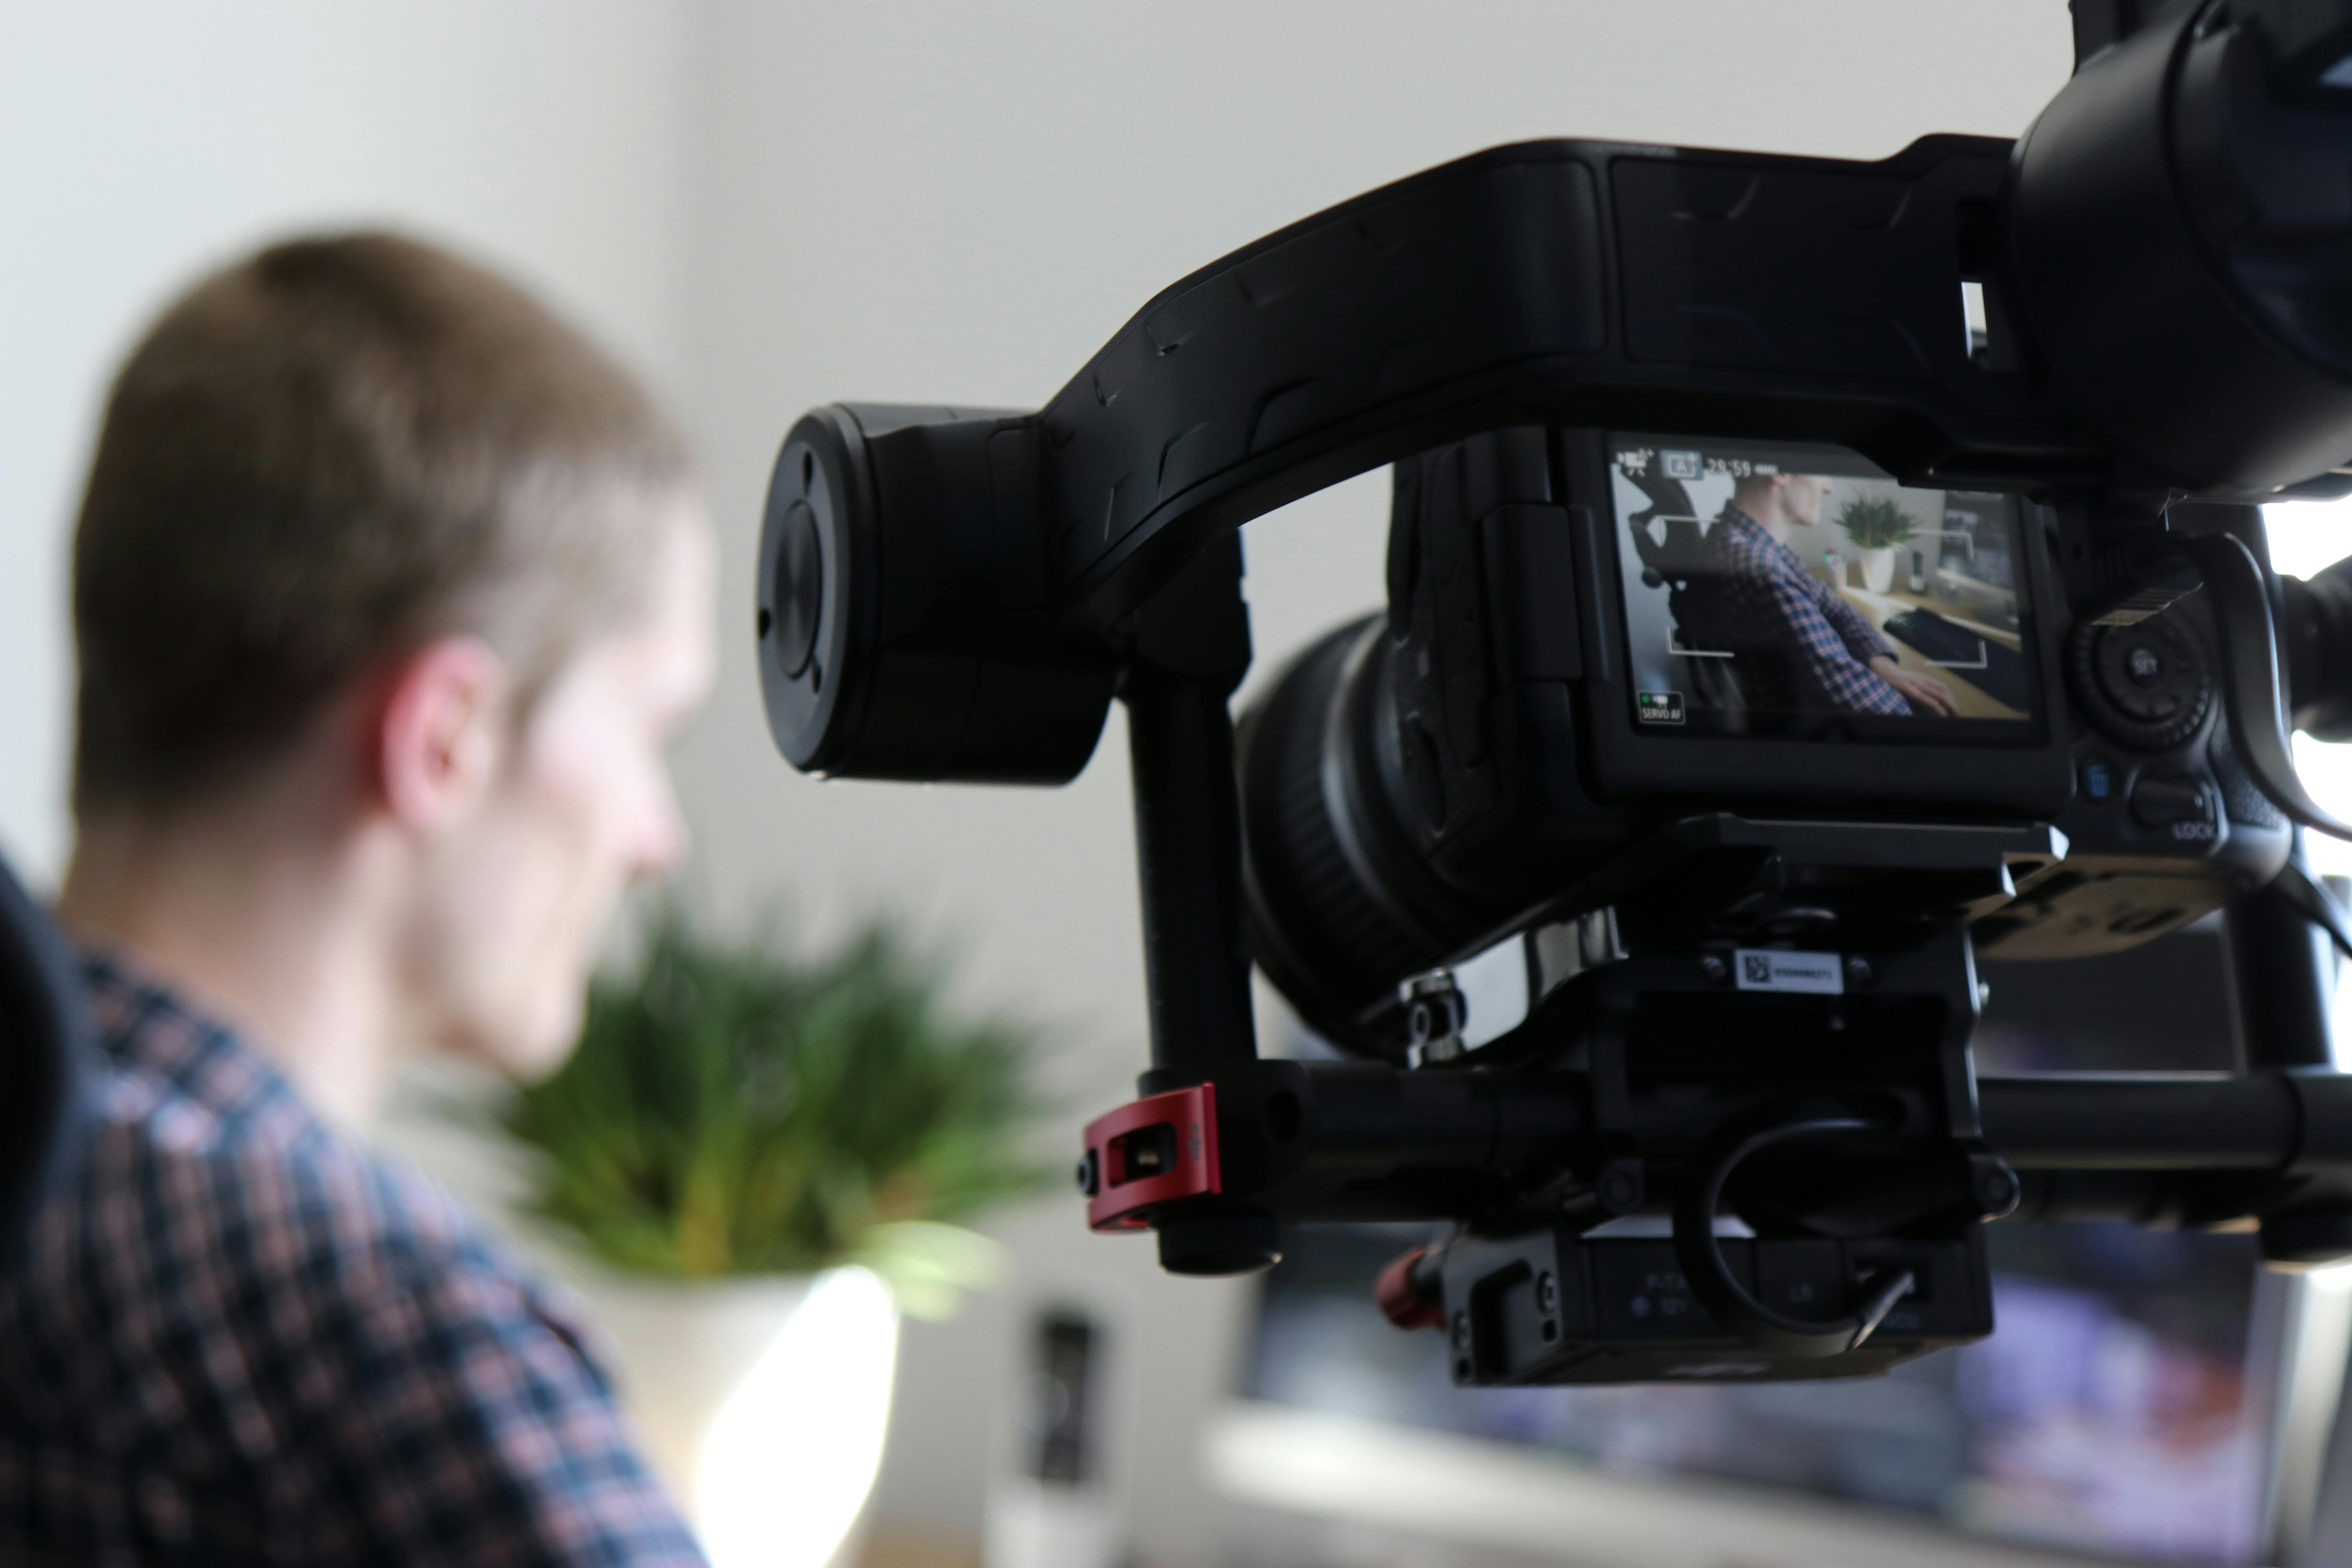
1803, 576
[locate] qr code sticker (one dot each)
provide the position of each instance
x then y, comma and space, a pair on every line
1758, 968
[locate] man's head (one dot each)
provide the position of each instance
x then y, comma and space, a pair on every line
1782, 499
365, 516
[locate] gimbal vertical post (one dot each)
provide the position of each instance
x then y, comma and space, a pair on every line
1188, 853
1191, 650
2284, 966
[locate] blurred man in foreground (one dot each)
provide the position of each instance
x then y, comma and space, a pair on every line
389, 589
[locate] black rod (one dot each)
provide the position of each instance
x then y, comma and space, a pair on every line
2284, 969
1188, 846
2185, 1122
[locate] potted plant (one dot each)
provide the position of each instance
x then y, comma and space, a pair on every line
1878, 525
763, 1158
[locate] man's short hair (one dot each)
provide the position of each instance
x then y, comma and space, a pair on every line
328, 453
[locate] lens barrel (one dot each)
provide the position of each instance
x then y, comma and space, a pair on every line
1342, 902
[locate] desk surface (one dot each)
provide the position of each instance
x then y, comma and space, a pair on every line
1971, 700
1469, 1502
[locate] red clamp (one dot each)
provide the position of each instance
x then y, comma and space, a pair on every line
1411, 1292
1155, 1150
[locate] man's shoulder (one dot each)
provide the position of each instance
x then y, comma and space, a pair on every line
221, 1269
1736, 537
238, 1308
204, 1155
274, 1195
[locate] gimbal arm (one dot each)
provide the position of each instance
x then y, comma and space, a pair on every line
936, 552
963, 575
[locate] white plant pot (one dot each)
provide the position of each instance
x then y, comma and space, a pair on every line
762, 1402
1879, 569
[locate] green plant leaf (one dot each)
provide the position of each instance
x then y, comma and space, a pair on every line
738, 1109
1875, 522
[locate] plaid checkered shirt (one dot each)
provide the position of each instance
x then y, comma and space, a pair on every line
1767, 582
237, 1337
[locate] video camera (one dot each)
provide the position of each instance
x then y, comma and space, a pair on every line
1803, 576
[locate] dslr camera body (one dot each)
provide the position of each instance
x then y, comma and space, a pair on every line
1804, 575
1582, 643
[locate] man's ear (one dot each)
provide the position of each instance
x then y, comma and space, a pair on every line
440, 732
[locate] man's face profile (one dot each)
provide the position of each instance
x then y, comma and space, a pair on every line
1801, 496
518, 888
1781, 501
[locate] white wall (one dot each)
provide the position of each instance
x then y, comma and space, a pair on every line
959, 202
141, 141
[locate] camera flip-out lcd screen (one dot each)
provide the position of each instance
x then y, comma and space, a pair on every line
1787, 589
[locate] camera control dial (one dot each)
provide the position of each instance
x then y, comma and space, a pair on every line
2146, 686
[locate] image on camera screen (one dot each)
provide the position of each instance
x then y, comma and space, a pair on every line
1790, 589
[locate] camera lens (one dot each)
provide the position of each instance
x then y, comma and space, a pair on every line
1343, 901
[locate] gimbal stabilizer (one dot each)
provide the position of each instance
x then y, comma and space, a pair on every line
1749, 976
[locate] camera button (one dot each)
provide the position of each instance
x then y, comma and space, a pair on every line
2159, 800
